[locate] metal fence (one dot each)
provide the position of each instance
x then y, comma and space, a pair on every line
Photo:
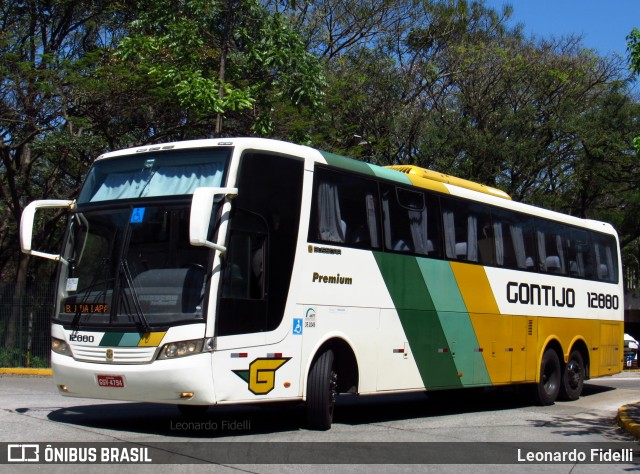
25, 324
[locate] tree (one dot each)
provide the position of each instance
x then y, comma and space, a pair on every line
633, 46
80, 78
392, 74
42, 152
216, 59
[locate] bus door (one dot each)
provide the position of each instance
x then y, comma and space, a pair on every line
253, 350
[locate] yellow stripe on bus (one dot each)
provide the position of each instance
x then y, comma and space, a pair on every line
151, 339
428, 184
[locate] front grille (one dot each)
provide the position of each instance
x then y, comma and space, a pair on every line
121, 355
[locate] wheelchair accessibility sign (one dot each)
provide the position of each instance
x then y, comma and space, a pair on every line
297, 327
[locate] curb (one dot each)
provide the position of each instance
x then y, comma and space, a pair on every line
627, 422
25, 371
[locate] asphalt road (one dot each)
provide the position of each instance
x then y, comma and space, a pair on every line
33, 412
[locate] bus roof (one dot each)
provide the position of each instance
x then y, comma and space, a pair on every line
406, 174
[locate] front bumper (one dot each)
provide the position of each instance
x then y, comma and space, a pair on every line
162, 381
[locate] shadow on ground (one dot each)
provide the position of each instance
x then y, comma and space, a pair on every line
242, 420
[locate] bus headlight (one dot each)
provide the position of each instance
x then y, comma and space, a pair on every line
174, 350
60, 347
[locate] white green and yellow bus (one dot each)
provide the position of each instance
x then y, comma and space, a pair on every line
229, 271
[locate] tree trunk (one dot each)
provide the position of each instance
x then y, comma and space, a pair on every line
13, 323
224, 51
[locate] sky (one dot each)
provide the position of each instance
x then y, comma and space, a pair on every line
603, 24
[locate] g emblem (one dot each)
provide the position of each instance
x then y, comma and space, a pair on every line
261, 376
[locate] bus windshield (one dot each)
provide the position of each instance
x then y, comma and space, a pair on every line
127, 258
166, 173
132, 267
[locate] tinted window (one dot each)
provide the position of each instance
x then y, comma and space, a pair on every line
514, 240
344, 210
468, 234
411, 221
262, 242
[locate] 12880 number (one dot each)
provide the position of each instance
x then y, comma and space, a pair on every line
602, 301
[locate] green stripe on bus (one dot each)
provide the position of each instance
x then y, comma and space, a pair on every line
364, 168
455, 321
385, 173
111, 339
130, 339
419, 319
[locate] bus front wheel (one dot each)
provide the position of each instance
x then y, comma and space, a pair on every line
321, 392
572, 377
548, 388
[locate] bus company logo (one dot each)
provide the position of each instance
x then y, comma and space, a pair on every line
23, 453
324, 250
261, 375
109, 354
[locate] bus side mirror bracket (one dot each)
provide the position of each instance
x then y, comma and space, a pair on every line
200, 218
27, 221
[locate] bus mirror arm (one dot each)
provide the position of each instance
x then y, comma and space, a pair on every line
201, 214
27, 221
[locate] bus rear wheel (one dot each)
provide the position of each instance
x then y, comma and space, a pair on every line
548, 388
322, 391
572, 377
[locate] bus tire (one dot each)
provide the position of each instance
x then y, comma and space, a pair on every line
572, 377
321, 392
548, 388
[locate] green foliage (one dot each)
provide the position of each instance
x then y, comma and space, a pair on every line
16, 357
452, 88
444, 84
633, 46
222, 58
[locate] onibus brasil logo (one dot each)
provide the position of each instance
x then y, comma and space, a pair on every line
261, 375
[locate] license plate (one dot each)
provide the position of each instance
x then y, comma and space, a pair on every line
113, 381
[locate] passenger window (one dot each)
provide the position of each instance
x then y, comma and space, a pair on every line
551, 242
580, 261
344, 210
514, 240
605, 258
410, 220
468, 232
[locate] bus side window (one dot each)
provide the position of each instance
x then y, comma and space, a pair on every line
606, 263
578, 254
513, 240
331, 226
551, 242
411, 222
468, 233
344, 210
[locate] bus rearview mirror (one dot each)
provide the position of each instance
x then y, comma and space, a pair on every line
201, 215
27, 221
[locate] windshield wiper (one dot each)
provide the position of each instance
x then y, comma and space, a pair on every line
75, 323
124, 266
